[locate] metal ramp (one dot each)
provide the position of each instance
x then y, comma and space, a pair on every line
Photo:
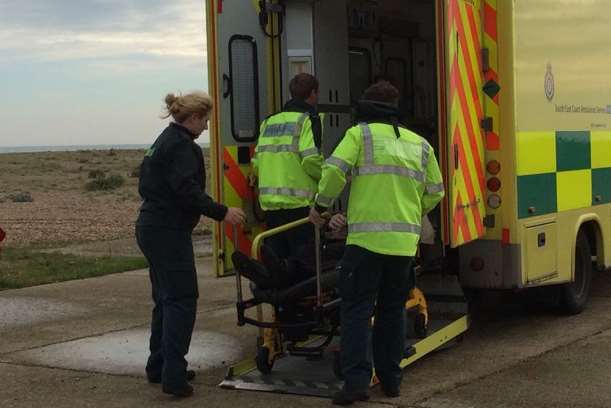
301, 376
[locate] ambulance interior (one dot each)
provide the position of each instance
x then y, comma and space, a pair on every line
350, 44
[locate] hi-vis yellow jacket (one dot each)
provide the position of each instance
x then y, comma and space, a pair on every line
396, 180
287, 162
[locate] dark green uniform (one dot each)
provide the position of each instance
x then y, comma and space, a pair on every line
172, 185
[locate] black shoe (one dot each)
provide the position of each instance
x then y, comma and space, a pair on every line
391, 391
344, 397
181, 392
156, 379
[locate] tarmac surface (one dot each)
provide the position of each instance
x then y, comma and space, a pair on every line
83, 344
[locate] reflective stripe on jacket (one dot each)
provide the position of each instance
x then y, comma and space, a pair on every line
287, 162
396, 180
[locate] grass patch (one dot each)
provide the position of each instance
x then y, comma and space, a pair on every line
21, 197
23, 267
111, 182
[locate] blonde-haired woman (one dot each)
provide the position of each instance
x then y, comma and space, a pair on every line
172, 186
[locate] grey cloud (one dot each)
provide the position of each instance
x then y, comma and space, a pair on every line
93, 15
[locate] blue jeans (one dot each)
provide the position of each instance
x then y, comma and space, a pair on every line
371, 282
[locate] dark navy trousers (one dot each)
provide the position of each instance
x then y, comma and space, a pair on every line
174, 287
376, 285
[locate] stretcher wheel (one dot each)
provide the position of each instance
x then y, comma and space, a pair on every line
262, 360
420, 326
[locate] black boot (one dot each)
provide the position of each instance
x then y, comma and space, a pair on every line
183, 391
156, 379
344, 397
391, 391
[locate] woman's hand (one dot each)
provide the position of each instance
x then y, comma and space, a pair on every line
235, 216
337, 222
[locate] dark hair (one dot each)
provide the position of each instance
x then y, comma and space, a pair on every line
302, 85
382, 78
382, 91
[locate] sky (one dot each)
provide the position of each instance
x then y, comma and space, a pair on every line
83, 72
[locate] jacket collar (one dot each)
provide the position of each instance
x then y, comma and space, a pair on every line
372, 111
299, 105
184, 130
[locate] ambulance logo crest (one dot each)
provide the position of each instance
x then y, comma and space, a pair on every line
549, 83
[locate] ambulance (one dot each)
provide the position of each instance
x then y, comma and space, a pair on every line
514, 96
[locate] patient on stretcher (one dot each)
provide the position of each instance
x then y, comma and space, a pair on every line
295, 277
297, 273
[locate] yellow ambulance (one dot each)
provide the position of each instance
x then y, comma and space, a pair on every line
514, 95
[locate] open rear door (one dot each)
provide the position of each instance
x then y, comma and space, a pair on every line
241, 82
466, 137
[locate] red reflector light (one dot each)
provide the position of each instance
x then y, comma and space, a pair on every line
506, 236
2, 235
493, 167
494, 184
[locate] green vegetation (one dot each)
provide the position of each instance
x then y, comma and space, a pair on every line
21, 197
22, 267
97, 173
103, 183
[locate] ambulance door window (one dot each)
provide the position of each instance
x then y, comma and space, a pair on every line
242, 87
360, 72
331, 64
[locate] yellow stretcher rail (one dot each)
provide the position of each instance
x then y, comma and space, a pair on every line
258, 241
269, 337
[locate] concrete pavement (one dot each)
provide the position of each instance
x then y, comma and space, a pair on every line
83, 344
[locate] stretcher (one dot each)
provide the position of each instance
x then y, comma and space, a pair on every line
299, 353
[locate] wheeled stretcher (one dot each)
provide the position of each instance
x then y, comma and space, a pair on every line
304, 310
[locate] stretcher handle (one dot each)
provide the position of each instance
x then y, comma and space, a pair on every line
318, 264
258, 241
238, 277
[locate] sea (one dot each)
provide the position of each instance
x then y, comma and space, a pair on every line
74, 148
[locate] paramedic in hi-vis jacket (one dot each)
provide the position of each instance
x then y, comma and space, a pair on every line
395, 181
288, 164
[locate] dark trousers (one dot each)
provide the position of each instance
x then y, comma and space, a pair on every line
291, 242
174, 287
373, 282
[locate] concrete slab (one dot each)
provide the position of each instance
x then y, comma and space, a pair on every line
504, 339
125, 352
34, 387
20, 311
104, 304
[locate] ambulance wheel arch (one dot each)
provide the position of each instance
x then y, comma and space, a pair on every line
590, 224
587, 242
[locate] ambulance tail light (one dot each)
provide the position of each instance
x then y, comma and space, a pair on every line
494, 184
493, 167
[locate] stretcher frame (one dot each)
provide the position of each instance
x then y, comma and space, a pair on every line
244, 375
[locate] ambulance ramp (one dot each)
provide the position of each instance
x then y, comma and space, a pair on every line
290, 375
315, 377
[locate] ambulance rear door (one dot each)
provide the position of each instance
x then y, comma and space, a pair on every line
241, 75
